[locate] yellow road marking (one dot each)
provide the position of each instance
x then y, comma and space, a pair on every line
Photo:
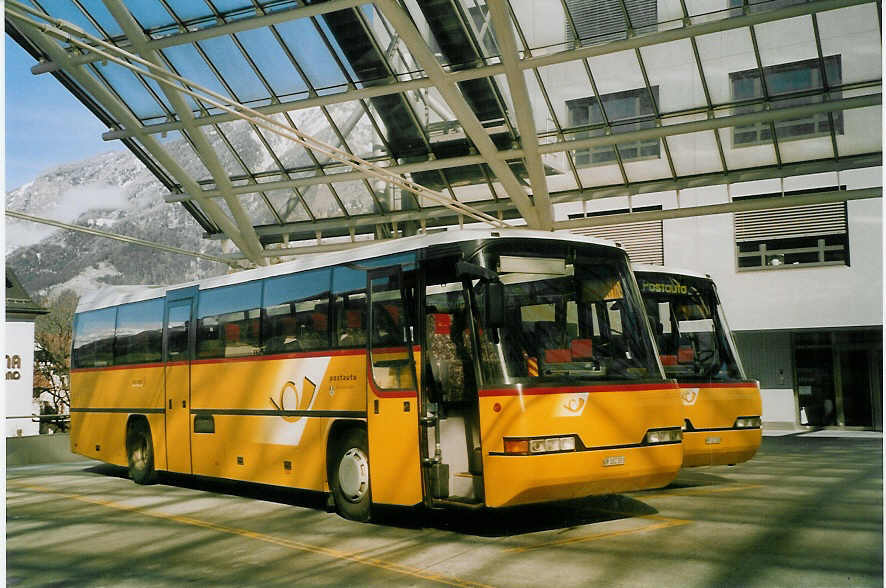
700, 492
288, 543
664, 523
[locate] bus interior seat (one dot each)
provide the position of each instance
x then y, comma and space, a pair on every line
558, 356
447, 368
232, 333
353, 332
547, 336
685, 354
581, 349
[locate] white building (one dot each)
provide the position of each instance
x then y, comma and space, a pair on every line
19, 363
802, 285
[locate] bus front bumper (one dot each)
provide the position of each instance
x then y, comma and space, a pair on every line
721, 447
512, 480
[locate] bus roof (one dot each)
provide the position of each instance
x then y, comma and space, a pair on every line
116, 295
661, 269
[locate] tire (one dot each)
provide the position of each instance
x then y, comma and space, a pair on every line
350, 476
140, 453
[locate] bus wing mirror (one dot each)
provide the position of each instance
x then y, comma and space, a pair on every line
469, 271
495, 305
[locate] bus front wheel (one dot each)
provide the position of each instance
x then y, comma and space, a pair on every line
350, 476
140, 453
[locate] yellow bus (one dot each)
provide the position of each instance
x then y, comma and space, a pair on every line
462, 368
722, 408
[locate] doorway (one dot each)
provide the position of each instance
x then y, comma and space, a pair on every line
839, 378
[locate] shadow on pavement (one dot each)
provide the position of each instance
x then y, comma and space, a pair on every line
500, 522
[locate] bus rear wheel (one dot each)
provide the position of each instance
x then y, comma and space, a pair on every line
140, 453
350, 476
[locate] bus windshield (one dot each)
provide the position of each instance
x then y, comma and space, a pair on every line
571, 311
693, 338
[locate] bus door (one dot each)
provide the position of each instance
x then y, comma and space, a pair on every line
392, 407
179, 333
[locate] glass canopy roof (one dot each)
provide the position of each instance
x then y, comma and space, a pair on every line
509, 107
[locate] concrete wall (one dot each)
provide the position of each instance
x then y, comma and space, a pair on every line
38, 449
767, 358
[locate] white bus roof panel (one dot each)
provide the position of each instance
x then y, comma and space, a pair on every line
116, 295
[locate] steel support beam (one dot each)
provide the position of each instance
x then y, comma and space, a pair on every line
710, 124
70, 33
736, 120
229, 28
735, 206
694, 30
115, 236
507, 44
684, 32
693, 211
505, 208
253, 247
405, 28
734, 176
51, 48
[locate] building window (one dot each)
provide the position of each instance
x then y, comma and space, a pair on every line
644, 241
812, 235
781, 80
483, 27
631, 110
604, 20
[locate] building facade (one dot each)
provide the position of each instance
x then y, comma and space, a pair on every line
21, 312
802, 285
807, 317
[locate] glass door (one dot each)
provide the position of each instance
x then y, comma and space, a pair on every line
179, 344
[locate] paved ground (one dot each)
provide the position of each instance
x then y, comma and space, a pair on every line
807, 511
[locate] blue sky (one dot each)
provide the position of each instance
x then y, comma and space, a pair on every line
45, 125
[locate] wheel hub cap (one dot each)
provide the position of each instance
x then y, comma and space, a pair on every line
353, 474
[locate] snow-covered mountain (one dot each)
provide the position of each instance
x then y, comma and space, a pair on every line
115, 192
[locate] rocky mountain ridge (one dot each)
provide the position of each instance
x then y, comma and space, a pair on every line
115, 192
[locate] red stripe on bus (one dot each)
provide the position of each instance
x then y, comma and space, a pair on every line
578, 389
276, 356
128, 366
296, 355
740, 384
302, 354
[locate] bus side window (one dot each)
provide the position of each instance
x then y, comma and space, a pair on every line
349, 307
94, 338
139, 332
229, 321
296, 312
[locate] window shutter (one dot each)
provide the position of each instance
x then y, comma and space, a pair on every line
603, 20
796, 221
643, 241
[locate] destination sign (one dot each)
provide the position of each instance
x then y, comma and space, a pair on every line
664, 288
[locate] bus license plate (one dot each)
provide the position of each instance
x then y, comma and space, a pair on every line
613, 460
712, 441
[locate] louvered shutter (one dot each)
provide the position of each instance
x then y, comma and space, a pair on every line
797, 221
603, 20
643, 241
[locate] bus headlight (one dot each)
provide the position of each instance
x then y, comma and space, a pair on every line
659, 436
537, 445
748, 422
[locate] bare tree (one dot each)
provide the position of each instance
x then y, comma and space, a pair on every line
52, 356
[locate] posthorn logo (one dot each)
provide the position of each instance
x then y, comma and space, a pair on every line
293, 399
689, 396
